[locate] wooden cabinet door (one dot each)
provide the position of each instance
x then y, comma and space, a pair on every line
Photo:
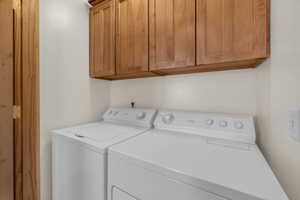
132, 36
231, 30
172, 33
102, 39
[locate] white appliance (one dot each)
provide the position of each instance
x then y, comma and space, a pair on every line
80, 153
192, 156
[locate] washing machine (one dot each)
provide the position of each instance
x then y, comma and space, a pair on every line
80, 153
192, 156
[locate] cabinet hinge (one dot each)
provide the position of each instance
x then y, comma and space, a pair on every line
16, 112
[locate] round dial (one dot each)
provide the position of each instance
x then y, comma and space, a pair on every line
238, 125
168, 118
141, 115
209, 122
223, 124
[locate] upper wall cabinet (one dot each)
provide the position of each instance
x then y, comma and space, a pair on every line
231, 30
132, 36
172, 34
102, 39
141, 38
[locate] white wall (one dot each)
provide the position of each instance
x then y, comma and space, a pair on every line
228, 91
279, 91
68, 96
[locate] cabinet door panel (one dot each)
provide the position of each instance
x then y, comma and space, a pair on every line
103, 39
132, 36
172, 34
231, 30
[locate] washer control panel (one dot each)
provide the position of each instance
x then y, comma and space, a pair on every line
223, 126
130, 116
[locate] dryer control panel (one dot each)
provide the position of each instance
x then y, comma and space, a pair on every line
222, 126
130, 116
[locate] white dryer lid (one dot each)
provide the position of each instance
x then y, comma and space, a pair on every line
230, 169
210, 151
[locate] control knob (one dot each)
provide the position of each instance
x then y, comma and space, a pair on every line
223, 124
141, 115
167, 119
210, 122
238, 125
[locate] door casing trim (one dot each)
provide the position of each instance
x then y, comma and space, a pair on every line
26, 94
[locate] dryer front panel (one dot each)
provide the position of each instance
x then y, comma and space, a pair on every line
128, 181
118, 194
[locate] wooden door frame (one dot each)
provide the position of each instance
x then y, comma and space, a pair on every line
26, 94
6, 101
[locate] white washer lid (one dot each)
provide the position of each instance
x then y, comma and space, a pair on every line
102, 132
235, 171
101, 135
118, 125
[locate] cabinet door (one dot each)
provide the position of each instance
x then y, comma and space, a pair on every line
172, 34
231, 30
102, 40
132, 36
